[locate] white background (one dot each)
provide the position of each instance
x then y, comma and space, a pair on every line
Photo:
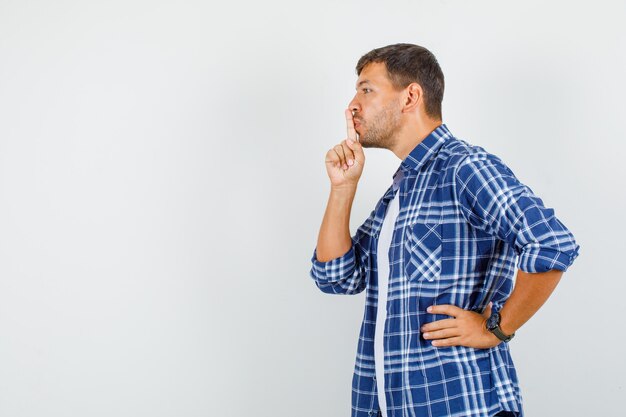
162, 185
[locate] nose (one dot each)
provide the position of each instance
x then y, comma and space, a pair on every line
354, 106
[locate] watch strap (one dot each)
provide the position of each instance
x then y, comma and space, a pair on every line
495, 327
500, 334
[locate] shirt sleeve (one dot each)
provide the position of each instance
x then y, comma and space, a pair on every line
346, 274
492, 199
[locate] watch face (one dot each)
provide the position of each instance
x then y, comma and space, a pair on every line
493, 321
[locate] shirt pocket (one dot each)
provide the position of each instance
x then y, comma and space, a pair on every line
422, 251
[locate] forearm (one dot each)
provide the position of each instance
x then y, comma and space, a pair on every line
334, 237
530, 292
468, 327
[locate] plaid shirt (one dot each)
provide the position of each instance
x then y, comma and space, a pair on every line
465, 223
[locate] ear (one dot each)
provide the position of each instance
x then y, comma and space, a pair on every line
413, 94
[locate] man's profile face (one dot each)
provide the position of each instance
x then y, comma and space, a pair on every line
376, 108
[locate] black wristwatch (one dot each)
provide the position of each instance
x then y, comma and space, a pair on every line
493, 325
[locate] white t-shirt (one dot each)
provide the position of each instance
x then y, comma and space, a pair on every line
384, 242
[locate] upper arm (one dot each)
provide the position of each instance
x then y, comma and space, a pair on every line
492, 199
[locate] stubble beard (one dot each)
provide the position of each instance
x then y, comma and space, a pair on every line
382, 130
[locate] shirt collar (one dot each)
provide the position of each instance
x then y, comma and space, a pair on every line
426, 149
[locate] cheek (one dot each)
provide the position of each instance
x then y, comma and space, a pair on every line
367, 113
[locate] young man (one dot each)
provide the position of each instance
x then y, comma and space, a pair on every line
437, 254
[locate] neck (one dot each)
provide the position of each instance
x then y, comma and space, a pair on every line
412, 134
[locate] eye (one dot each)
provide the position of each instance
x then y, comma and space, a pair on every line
366, 90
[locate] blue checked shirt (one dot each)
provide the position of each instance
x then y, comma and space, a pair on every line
465, 223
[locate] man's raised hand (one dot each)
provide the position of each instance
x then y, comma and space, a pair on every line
345, 161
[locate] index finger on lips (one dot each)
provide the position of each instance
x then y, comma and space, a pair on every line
350, 125
349, 151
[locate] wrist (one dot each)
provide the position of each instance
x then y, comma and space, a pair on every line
505, 323
493, 325
343, 192
344, 189
504, 326
494, 340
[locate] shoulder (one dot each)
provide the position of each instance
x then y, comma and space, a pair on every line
463, 158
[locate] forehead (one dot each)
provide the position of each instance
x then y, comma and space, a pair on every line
373, 73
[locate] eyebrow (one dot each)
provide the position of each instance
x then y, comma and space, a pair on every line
363, 82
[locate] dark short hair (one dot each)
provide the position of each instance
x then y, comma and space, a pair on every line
407, 63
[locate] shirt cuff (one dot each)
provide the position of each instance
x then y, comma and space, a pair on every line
535, 259
336, 269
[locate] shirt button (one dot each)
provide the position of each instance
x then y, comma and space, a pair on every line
370, 413
374, 378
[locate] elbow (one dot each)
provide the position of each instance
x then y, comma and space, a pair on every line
342, 275
543, 259
352, 283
